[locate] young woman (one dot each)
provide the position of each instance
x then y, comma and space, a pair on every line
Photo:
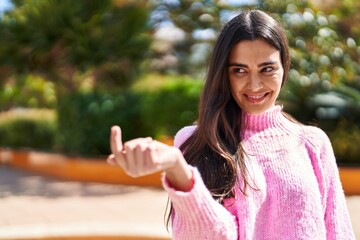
245, 170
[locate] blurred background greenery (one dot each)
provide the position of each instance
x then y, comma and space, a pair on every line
69, 70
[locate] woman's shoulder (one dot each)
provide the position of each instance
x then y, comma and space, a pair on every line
183, 134
315, 136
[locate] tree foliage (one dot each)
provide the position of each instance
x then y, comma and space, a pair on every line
62, 39
324, 82
200, 21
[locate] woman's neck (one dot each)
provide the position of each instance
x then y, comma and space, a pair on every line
255, 123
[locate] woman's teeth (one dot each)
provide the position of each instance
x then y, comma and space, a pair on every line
256, 99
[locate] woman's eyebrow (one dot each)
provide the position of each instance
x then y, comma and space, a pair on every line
238, 65
267, 63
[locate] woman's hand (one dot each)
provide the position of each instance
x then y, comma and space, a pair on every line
141, 156
144, 156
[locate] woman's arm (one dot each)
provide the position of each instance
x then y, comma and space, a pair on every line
180, 176
337, 218
336, 214
196, 214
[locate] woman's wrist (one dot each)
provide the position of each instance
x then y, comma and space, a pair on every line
180, 176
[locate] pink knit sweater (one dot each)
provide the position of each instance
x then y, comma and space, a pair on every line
299, 192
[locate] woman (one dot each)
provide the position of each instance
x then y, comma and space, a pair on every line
246, 170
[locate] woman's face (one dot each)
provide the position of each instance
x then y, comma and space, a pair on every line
255, 74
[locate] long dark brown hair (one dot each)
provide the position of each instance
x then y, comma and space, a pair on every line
214, 148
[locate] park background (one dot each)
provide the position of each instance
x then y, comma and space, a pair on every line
69, 70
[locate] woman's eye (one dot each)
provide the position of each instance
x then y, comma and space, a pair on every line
267, 69
238, 70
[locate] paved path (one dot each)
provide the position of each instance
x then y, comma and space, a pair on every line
34, 206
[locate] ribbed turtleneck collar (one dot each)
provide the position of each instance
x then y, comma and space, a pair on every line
257, 123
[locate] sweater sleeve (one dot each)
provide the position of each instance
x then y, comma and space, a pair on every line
336, 215
196, 214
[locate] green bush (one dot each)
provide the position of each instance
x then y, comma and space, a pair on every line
28, 128
345, 139
27, 91
85, 119
170, 107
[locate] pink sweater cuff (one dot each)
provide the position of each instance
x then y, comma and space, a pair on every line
197, 208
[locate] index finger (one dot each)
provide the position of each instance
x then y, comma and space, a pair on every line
116, 140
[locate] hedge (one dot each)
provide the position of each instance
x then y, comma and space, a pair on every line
85, 119
28, 128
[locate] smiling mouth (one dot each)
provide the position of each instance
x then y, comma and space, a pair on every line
256, 98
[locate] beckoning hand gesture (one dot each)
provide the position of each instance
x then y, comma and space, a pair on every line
144, 156
141, 156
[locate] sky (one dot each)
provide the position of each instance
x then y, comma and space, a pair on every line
4, 5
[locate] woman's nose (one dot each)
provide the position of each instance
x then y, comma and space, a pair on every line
254, 82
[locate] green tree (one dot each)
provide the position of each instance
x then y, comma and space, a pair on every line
64, 39
324, 82
99, 44
192, 17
